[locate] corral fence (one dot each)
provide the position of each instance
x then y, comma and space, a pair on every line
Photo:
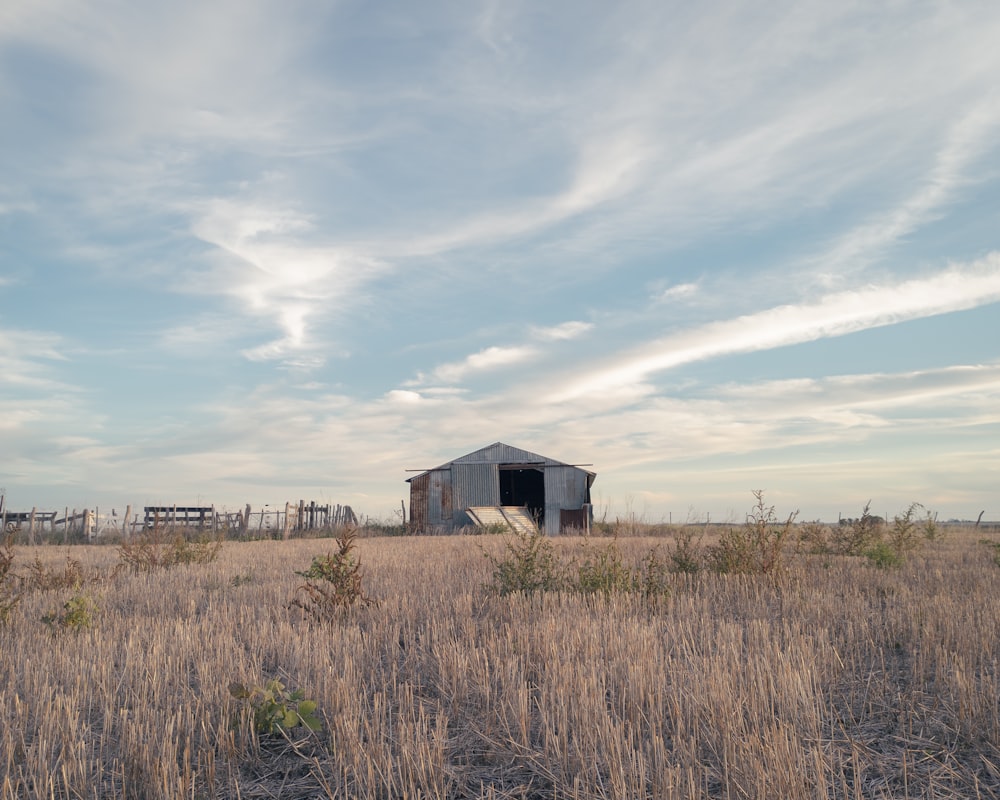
294, 519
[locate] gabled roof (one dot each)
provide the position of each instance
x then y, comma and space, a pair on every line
500, 453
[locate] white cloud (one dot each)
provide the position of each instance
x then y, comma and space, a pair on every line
678, 292
966, 140
958, 288
26, 361
487, 359
267, 265
403, 396
562, 332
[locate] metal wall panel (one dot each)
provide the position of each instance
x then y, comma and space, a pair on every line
438, 498
419, 490
565, 487
473, 485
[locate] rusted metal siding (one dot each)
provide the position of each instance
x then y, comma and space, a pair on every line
473, 485
565, 488
439, 497
430, 501
439, 507
419, 490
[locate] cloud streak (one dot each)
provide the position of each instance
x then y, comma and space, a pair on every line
490, 358
838, 314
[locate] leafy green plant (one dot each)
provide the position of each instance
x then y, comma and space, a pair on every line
855, 537
687, 554
275, 709
653, 577
932, 532
905, 534
605, 572
995, 546
334, 581
77, 613
9, 596
813, 538
755, 548
529, 565
201, 551
884, 556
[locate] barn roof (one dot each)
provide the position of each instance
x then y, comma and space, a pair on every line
500, 453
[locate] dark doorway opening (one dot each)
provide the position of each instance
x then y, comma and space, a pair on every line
523, 487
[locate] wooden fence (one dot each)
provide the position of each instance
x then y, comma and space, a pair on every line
294, 519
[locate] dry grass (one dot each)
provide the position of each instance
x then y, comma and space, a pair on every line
832, 680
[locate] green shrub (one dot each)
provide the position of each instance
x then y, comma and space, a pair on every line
813, 538
77, 613
605, 572
930, 529
687, 555
855, 537
905, 535
755, 548
653, 578
333, 582
529, 565
995, 547
242, 579
274, 709
884, 556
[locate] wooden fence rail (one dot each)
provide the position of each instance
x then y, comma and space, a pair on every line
294, 518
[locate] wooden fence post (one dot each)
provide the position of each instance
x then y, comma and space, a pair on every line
31, 526
287, 532
245, 527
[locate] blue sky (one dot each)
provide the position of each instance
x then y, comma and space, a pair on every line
261, 251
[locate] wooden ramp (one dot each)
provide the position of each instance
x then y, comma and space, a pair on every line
516, 518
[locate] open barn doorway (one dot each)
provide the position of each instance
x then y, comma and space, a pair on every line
522, 486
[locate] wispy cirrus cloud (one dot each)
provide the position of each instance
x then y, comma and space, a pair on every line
269, 265
966, 141
561, 332
26, 358
957, 288
489, 358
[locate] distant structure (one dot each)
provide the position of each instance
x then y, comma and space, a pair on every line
555, 493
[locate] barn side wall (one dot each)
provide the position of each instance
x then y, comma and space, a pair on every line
565, 487
431, 506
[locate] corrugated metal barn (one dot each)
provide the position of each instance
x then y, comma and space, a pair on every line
557, 494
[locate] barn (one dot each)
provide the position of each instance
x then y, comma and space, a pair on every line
556, 494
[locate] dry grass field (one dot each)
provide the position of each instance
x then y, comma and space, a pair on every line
832, 679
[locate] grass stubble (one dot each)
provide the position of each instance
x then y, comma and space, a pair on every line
833, 679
